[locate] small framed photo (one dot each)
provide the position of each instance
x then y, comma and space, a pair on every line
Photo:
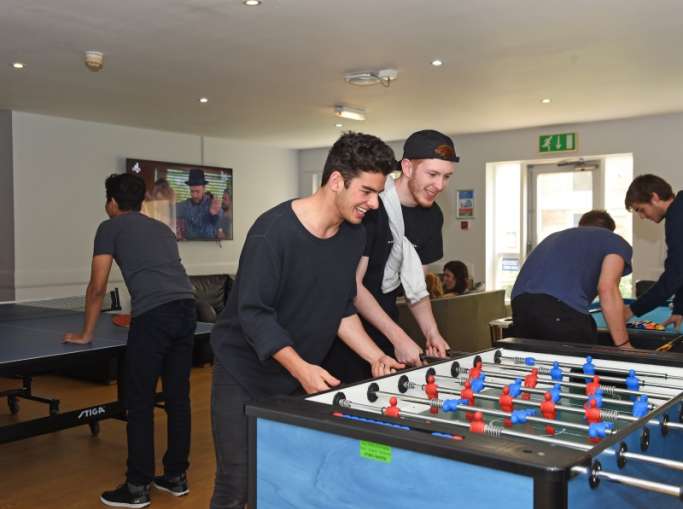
465, 204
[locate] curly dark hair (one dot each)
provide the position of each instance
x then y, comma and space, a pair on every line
642, 187
356, 152
127, 189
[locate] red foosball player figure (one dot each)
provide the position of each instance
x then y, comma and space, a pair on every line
530, 381
593, 414
506, 405
593, 386
392, 410
432, 392
477, 424
475, 371
467, 394
548, 411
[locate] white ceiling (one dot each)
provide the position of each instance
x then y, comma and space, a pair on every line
273, 73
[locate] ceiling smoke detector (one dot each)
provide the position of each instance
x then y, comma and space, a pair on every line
94, 60
367, 78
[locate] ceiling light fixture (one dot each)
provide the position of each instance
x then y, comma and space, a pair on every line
203, 100
338, 126
437, 63
251, 3
18, 65
350, 113
367, 78
546, 100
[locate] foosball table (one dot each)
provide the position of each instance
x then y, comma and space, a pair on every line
528, 424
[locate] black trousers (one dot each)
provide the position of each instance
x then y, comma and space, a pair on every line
230, 439
541, 316
159, 345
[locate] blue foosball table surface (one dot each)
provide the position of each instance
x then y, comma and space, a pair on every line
411, 440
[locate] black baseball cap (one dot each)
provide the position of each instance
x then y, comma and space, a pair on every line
429, 144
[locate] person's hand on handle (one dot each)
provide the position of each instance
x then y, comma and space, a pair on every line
385, 365
315, 379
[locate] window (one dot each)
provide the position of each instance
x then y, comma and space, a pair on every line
507, 231
559, 192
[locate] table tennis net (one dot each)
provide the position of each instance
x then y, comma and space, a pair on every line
41, 308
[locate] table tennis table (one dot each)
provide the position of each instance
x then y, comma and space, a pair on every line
31, 342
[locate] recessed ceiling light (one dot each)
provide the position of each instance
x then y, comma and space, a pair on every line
338, 125
437, 63
18, 65
546, 100
251, 3
203, 100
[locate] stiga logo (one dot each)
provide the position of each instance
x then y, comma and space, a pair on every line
91, 412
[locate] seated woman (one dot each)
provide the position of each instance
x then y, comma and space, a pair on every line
456, 278
433, 285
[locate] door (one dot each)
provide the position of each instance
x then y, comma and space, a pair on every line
559, 194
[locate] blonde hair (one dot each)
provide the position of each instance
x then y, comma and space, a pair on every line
434, 286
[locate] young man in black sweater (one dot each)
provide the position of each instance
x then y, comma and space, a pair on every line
293, 293
651, 197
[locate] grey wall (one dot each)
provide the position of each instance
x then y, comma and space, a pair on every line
6, 208
654, 141
59, 170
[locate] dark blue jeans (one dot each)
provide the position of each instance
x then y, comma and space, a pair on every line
159, 345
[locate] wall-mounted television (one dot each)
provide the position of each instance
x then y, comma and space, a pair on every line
195, 201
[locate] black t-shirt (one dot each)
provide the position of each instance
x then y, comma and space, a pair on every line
291, 289
422, 227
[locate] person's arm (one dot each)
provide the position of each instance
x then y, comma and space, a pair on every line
311, 377
424, 316
352, 333
97, 289
406, 350
610, 299
671, 280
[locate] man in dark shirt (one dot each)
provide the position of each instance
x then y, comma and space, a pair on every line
293, 293
160, 338
651, 197
428, 162
561, 277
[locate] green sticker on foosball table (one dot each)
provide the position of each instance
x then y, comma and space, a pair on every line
374, 451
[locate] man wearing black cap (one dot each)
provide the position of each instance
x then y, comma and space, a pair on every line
198, 216
403, 236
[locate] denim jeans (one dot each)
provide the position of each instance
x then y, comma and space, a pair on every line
160, 344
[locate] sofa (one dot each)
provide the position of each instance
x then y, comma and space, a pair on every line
211, 292
463, 320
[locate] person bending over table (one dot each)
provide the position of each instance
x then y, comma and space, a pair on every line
293, 293
403, 237
651, 197
561, 277
160, 338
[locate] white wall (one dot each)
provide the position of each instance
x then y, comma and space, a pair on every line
59, 170
653, 140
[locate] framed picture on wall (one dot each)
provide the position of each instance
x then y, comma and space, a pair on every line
465, 204
195, 201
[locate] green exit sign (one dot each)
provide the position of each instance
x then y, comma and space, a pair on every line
557, 142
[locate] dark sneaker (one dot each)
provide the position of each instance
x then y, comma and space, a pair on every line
127, 495
176, 486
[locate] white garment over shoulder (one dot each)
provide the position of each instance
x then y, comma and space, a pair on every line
403, 265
